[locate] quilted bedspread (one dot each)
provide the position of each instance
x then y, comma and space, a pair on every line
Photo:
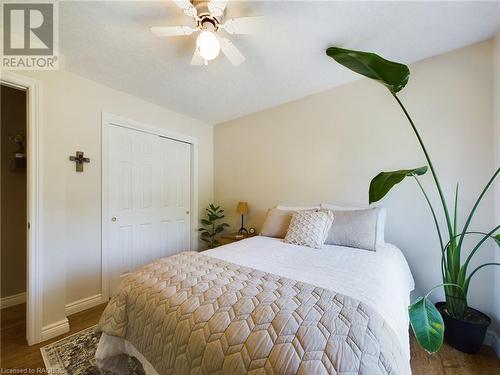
194, 314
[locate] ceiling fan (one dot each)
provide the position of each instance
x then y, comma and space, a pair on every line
209, 20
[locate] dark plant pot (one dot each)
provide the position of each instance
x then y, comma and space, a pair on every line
464, 335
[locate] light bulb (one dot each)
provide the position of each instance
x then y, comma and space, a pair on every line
208, 45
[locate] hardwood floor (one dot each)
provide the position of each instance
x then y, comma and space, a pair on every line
14, 351
449, 361
15, 354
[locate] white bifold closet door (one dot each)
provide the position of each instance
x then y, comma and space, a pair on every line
148, 199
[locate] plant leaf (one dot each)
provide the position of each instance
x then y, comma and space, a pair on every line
384, 181
461, 275
427, 324
221, 227
455, 213
497, 239
391, 74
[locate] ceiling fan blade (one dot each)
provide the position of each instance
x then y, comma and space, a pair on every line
172, 30
232, 53
217, 7
197, 59
187, 7
243, 25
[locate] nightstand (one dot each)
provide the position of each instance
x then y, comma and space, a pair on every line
234, 237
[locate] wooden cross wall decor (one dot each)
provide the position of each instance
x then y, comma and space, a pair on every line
79, 160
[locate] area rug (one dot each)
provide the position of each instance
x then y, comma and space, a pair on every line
75, 355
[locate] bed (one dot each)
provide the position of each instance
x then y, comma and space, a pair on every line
262, 306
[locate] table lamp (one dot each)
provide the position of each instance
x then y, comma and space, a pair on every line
242, 209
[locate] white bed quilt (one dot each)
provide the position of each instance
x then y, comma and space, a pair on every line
381, 279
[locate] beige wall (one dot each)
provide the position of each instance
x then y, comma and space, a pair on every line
71, 219
327, 147
13, 195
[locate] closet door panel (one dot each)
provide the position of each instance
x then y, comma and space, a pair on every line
149, 198
175, 215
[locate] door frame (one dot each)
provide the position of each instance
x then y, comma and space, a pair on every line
34, 286
108, 119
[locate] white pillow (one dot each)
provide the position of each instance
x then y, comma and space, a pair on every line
334, 207
309, 228
380, 227
293, 208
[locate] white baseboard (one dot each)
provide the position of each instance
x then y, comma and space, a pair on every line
55, 329
13, 300
62, 326
83, 304
493, 340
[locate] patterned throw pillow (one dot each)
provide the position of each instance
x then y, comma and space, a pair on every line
309, 228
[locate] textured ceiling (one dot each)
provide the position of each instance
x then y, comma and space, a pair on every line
110, 42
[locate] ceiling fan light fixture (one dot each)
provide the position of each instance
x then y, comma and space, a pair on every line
208, 45
208, 17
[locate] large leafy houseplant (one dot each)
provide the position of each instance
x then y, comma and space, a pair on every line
425, 319
211, 226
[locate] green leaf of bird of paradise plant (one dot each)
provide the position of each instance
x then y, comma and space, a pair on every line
384, 181
391, 74
427, 324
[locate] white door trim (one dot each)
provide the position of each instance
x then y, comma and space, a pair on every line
110, 119
34, 301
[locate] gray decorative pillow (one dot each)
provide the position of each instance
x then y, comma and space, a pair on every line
382, 214
309, 228
356, 228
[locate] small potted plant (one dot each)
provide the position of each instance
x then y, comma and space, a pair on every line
211, 228
462, 326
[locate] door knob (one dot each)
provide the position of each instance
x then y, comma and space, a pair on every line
187, 212
113, 219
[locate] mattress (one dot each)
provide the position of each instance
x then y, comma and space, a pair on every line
372, 289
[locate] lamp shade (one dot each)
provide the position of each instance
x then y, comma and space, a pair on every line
242, 208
